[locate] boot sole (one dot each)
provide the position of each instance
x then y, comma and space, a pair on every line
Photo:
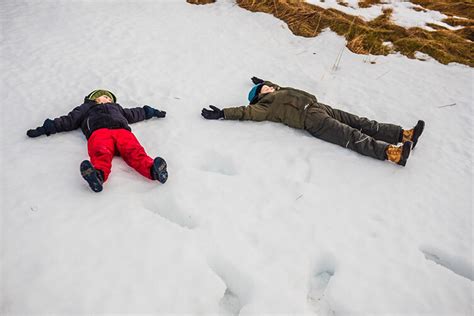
159, 170
420, 126
89, 173
405, 153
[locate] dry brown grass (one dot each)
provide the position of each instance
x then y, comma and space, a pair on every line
458, 8
342, 2
368, 3
364, 37
463, 9
461, 13
200, 1
468, 27
461, 22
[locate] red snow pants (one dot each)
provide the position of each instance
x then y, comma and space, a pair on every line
104, 143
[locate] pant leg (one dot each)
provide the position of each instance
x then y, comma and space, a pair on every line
132, 152
101, 148
386, 132
325, 127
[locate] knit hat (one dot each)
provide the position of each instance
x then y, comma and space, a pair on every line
254, 92
97, 93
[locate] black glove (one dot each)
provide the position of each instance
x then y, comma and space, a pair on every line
257, 80
151, 112
47, 129
36, 132
215, 114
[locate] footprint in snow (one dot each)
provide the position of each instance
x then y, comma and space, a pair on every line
323, 272
238, 285
230, 303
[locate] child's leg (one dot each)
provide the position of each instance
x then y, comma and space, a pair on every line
101, 148
324, 127
386, 132
132, 152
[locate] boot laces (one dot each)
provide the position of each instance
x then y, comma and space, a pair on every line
408, 135
394, 153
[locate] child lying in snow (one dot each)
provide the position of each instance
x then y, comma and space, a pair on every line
105, 124
299, 109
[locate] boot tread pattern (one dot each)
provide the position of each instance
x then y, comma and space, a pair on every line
91, 175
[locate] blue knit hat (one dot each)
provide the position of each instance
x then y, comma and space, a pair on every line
254, 92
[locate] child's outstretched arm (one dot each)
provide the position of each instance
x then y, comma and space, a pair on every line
64, 123
138, 114
253, 112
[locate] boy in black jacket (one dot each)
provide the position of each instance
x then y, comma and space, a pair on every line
105, 124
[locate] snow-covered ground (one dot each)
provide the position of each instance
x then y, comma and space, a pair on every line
256, 218
404, 13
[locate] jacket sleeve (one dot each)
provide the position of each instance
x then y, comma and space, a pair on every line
134, 115
253, 112
72, 120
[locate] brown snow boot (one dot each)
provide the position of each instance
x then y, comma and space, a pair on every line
399, 154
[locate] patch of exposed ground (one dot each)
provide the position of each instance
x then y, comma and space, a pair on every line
364, 37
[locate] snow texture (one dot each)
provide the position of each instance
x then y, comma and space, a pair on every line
256, 218
404, 13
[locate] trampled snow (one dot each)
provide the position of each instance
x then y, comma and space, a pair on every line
256, 218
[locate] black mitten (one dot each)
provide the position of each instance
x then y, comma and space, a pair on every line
215, 114
47, 129
36, 132
151, 112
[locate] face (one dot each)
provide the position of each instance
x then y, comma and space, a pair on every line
266, 89
103, 99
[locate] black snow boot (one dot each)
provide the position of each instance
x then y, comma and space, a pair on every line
94, 177
406, 148
158, 170
420, 126
413, 134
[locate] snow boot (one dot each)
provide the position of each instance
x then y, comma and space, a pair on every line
94, 177
158, 170
399, 154
412, 135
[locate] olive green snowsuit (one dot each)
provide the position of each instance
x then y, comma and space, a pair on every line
299, 109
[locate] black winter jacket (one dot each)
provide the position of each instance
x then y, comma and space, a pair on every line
91, 116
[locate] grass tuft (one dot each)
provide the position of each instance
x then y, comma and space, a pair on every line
458, 8
200, 1
368, 3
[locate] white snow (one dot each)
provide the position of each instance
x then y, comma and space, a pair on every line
352, 8
256, 218
404, 13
